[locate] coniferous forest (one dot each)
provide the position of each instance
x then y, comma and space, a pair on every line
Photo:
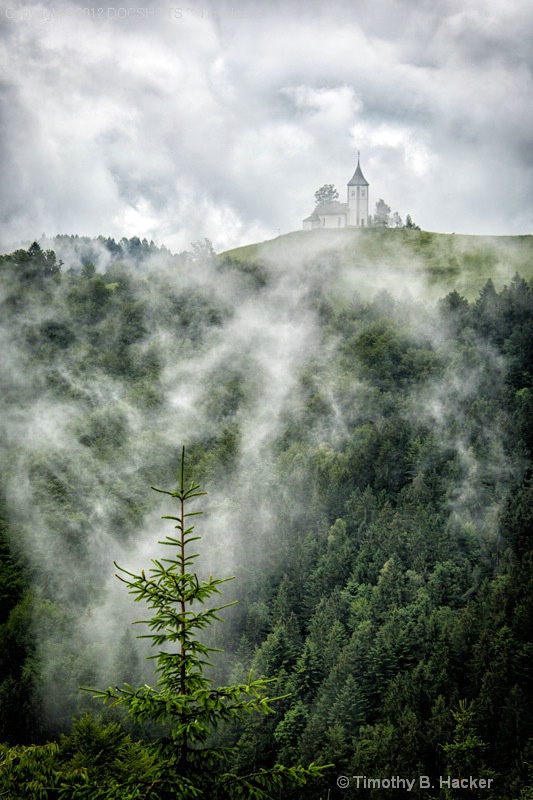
365, 440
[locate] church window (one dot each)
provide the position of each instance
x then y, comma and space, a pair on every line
353, 192
362, 192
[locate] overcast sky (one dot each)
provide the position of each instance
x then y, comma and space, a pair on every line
176, 123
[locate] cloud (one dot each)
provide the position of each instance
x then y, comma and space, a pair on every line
223, 122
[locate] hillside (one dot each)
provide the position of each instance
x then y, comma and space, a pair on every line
441, 262
364, 433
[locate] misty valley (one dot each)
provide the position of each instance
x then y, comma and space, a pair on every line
357, 407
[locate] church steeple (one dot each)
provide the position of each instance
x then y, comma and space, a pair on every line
358, 198
358, 177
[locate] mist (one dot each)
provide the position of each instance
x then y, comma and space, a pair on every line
109, 372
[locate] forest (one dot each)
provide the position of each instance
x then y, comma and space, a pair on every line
365, 443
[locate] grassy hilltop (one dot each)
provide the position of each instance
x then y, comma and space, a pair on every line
440, 261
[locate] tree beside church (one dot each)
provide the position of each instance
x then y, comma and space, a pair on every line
352, 214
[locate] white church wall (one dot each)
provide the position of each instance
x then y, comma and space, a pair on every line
333, 220
358, 206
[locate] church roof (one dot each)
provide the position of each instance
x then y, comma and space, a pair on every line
358, 177
332, 208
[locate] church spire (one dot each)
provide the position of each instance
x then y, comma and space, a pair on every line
357, 198
358, 178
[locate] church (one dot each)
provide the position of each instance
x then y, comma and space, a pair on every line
352, 214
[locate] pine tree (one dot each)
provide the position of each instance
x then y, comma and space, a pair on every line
464, 754
183, 700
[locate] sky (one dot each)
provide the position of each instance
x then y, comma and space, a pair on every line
220, 120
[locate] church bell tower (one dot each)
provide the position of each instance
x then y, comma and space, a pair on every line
357, 199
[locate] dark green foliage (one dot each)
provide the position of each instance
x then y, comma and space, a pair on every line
34, 266
410, 224
19, 706
183, 700
96, 762
384, 552
430, 650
